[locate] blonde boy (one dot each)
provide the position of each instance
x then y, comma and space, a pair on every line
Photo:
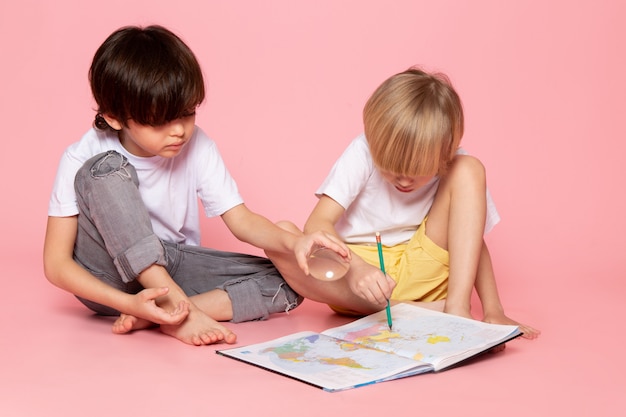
407, 178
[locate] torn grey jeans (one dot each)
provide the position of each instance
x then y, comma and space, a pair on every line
115, 242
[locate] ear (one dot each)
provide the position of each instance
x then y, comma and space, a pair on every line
113, 122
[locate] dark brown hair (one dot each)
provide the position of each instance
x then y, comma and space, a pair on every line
146, 74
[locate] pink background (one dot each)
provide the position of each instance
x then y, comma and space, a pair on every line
543, 88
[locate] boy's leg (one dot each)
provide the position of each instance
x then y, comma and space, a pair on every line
230, 286
493, 311
456, 222
115, 241
335, 293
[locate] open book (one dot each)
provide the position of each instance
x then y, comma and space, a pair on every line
366, 351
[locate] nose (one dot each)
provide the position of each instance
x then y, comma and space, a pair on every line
177, 128
404, 182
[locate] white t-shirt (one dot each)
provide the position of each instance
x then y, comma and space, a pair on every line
374, 205
169, 187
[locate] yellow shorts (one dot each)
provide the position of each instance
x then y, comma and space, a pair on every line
419, 267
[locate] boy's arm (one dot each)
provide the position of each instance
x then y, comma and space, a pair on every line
62, 271
324, 216
365, 280
259, 231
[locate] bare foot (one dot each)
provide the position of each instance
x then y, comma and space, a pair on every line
199, 329
527, 331
126, 323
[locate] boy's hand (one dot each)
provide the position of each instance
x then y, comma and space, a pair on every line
144, 305
308, 243
369, 283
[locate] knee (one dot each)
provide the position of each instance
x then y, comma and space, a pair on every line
278, 257
467, 169
288, 226
109, 163
104, 165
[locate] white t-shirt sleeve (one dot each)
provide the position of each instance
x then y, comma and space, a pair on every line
216, 188
348, 175
63, 197
493, 217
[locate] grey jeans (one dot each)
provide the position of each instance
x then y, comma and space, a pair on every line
115, 242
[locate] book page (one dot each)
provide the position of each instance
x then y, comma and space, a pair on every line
326, 362
424, 335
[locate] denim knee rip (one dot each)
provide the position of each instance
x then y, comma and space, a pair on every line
112, 162
256, 299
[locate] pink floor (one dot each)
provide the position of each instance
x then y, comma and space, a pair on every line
543, 87
58, 359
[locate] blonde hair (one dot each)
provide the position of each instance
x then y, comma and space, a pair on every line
414, 123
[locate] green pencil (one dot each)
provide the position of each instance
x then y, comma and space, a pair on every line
382, 268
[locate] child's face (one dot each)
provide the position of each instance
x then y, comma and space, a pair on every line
167, 140
405, 184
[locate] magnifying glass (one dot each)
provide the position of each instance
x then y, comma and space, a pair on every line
327, 265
